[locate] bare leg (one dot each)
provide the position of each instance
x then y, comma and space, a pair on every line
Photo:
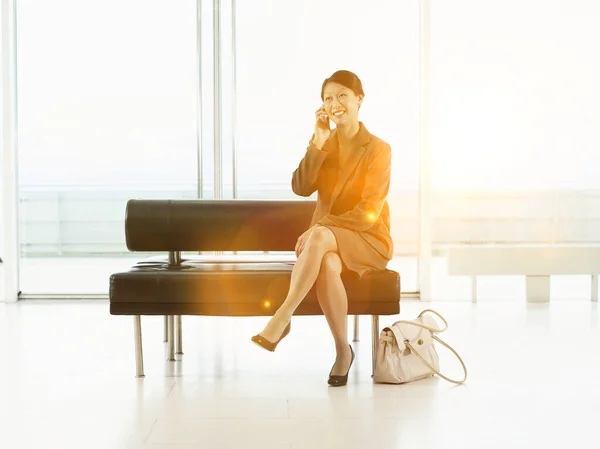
334, 303
304, 275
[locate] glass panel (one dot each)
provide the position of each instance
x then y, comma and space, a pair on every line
514, 131
284, 52
107, 112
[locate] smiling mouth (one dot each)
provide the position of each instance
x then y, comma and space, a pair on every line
339, 113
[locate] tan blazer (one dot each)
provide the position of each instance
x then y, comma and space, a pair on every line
351, 196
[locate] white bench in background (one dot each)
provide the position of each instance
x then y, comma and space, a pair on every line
537, 263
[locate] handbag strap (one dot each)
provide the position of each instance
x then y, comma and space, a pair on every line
415, 352
429, 328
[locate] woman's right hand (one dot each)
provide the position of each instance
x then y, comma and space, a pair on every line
301, 242
322, 130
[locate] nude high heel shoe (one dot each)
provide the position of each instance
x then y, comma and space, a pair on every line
266, 344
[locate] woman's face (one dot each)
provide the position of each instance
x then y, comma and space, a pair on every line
341, 103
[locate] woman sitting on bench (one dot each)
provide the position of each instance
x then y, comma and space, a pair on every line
350, 229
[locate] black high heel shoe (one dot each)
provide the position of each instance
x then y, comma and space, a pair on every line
266, 344
340, 381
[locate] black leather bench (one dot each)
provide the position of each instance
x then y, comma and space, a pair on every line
173, 286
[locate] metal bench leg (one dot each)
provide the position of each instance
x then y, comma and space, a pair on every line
179, 336
171, 339
166, 330
137, 338
474, 289
375, 331
594, 287
355, 328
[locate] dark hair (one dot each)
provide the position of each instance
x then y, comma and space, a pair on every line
347, 79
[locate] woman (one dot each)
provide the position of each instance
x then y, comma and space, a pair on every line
350, 228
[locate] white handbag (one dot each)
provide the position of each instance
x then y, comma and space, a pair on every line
406, 351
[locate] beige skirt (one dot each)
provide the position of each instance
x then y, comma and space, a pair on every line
356, 253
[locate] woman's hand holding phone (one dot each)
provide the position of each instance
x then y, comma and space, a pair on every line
322, 130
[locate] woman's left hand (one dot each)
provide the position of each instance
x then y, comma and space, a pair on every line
302, 240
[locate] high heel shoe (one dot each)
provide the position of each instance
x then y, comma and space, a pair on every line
266, 344
340, 381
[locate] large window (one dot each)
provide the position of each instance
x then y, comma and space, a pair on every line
109, 108
107, 101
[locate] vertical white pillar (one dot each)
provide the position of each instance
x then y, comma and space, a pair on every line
200, 111
218, 151
424, 151
234, 93
9, 173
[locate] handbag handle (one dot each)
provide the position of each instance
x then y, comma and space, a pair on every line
415, 352
432, 329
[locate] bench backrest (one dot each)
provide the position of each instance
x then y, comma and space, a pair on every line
216, 225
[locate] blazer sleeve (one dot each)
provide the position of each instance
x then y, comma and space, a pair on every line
377, 184
306, 176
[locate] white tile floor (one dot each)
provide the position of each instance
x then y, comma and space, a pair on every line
67, 380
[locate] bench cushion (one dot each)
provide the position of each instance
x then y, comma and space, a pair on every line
199, 287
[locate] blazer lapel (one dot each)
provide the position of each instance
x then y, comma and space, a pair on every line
357, 152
